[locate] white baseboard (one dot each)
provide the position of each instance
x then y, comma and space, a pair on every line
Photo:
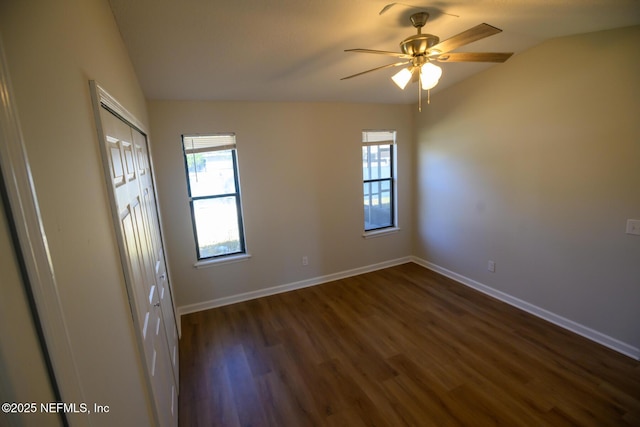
219, 302
563, 322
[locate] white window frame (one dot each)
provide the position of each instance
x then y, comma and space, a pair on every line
216, 142
383, 137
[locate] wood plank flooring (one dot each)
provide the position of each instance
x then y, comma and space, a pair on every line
402, 346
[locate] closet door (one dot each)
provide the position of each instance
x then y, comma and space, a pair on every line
137, 228
155, 244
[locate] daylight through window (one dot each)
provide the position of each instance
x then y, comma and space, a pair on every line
378, 170
214, 194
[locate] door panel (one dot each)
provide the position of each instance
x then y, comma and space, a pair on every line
155, 243
142, 257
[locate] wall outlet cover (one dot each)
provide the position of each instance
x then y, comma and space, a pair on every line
633, 226
491, 266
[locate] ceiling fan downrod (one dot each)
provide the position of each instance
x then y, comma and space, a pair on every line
420, 51
418, 44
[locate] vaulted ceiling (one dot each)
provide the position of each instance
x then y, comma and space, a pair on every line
293, 50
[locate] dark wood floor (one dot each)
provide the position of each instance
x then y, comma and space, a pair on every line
398, 347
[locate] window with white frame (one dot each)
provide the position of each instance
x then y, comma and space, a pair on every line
211, 163
379, 182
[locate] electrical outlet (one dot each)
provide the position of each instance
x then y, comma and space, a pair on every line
491, 266
305, 260
633, 226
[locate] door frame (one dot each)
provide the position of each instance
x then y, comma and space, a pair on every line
102, 100
32, 240
100, 97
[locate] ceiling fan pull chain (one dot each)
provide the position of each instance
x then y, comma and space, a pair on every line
420, 94
421, 50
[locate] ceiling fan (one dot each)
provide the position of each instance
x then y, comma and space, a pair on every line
421, 50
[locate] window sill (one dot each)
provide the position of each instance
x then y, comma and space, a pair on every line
224, 260
379, 233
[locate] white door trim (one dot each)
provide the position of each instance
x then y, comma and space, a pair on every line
101, 96
143, 307
23, 204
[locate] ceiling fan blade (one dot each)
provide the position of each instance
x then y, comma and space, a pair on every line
469, 36
397, 64
381, 52
387, 7
474, 57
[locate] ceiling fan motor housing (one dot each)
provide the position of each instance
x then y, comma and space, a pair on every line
419, 50
418, 44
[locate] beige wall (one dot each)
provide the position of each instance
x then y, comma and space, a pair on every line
535, 164
300, 170
53, 48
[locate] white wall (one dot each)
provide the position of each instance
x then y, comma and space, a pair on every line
53, 48
301, 180
535, 164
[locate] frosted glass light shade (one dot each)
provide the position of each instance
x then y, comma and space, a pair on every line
430, 75
402, 77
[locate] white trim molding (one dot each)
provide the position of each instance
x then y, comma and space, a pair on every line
246, 296
380, 233
211, 262
556, 319
100, 97
23, 204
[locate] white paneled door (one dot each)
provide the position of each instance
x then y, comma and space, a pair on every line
127, 162
155, 244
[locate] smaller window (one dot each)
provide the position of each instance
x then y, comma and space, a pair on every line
214, 194
378, 170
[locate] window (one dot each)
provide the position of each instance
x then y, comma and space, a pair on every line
214, 194
378, 170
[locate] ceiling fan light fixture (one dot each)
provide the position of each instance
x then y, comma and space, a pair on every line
430, 75
402, 78
420, 49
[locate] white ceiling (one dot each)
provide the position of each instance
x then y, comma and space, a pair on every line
293, 50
